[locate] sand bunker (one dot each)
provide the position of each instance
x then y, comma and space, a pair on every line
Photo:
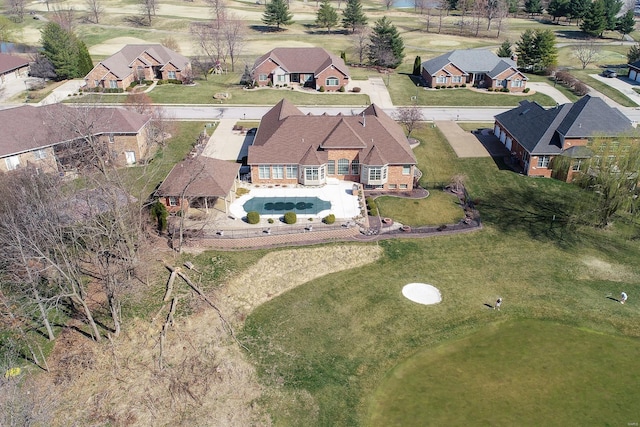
422, 293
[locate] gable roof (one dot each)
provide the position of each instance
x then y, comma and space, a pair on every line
27, 127
120, 62
303, 60
470, 61
10, 63
199, 177
287, 136
542, 131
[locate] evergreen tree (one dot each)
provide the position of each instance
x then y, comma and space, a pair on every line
626, 23
85, 64
547, 52
577, 9
327, 16
595, 21
452, 4
246, 76
612, 9
353, 16
533, 7
277, 13
634, 53
61, 48
505, 50
417, 66
386, 47
513, 7
525, 49
558, 8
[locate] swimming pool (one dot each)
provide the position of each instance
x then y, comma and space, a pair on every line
282, 205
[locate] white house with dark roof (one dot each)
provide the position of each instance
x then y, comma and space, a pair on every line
304, 66
138, 62
53, 138
477, 67
370, 148
535, 135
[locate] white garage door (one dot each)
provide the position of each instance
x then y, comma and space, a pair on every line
633, 74
496, 131
508, 144
503, 136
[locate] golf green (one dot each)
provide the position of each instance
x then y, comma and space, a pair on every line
515, 373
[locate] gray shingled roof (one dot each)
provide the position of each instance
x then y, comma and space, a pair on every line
469, 60
541, 131
303, 60
120, 62
286, 138
27, 128
200, 177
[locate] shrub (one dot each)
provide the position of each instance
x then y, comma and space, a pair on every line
270, 220
160, 213
270, 84
356, 90
174, 81
329, 219
464, 85
489, 89
371, 206
133, 84
253, 217
290, 218
147, 82
526, 90
342, 89
322, 89
241, 191
580, 89
504, 89
456, 86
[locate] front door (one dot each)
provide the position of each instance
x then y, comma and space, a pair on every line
130, 157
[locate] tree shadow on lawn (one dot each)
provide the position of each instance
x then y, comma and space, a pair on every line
266, 29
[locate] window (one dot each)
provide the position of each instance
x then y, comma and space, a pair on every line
292, 171
576, 166
499, 83
130, 157
406, 170
517, 83
355, 167
113, 84
171, 75
331, 167
543, 161
456, 79
375, 173
40, 154
264, 172
392, 186
173, 201
262, 77
404, 186
278, 171
282, 78
96, 83
441, 79
332, 81
343, 167
12, 162
311, 174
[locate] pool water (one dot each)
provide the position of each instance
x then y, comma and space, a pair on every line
282, 205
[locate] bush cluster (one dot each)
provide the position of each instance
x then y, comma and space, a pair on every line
526, 90
329, 219
372, 207
342, 89
569, 81
253, 217
322, 89
290, 218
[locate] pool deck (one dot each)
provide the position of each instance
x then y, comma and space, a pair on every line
344, 204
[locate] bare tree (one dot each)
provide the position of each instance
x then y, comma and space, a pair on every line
388, 3
235, 33
218, 9
420, 5
95, 9
411, 117
586, 52
360, 42
148, 9
210, 41
65, 17
170, 43
16, 8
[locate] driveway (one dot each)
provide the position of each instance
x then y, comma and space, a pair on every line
377, 91
13, 87
226, 143
549, 90
623, 85
63, 91
467, 144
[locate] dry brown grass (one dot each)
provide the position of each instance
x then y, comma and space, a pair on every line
207, 380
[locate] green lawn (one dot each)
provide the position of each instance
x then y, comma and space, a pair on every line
593, 377
438, 208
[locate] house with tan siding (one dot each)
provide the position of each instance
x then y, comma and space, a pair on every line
57, 137
136, 62
477, 67
12, 67
312, 67
536, 135
369, 148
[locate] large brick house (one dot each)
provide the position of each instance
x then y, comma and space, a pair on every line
138, 62
54, 138
477, 67
12, 67
312, 67
535, 135
294, 148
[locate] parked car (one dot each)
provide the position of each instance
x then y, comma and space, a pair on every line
609, 73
